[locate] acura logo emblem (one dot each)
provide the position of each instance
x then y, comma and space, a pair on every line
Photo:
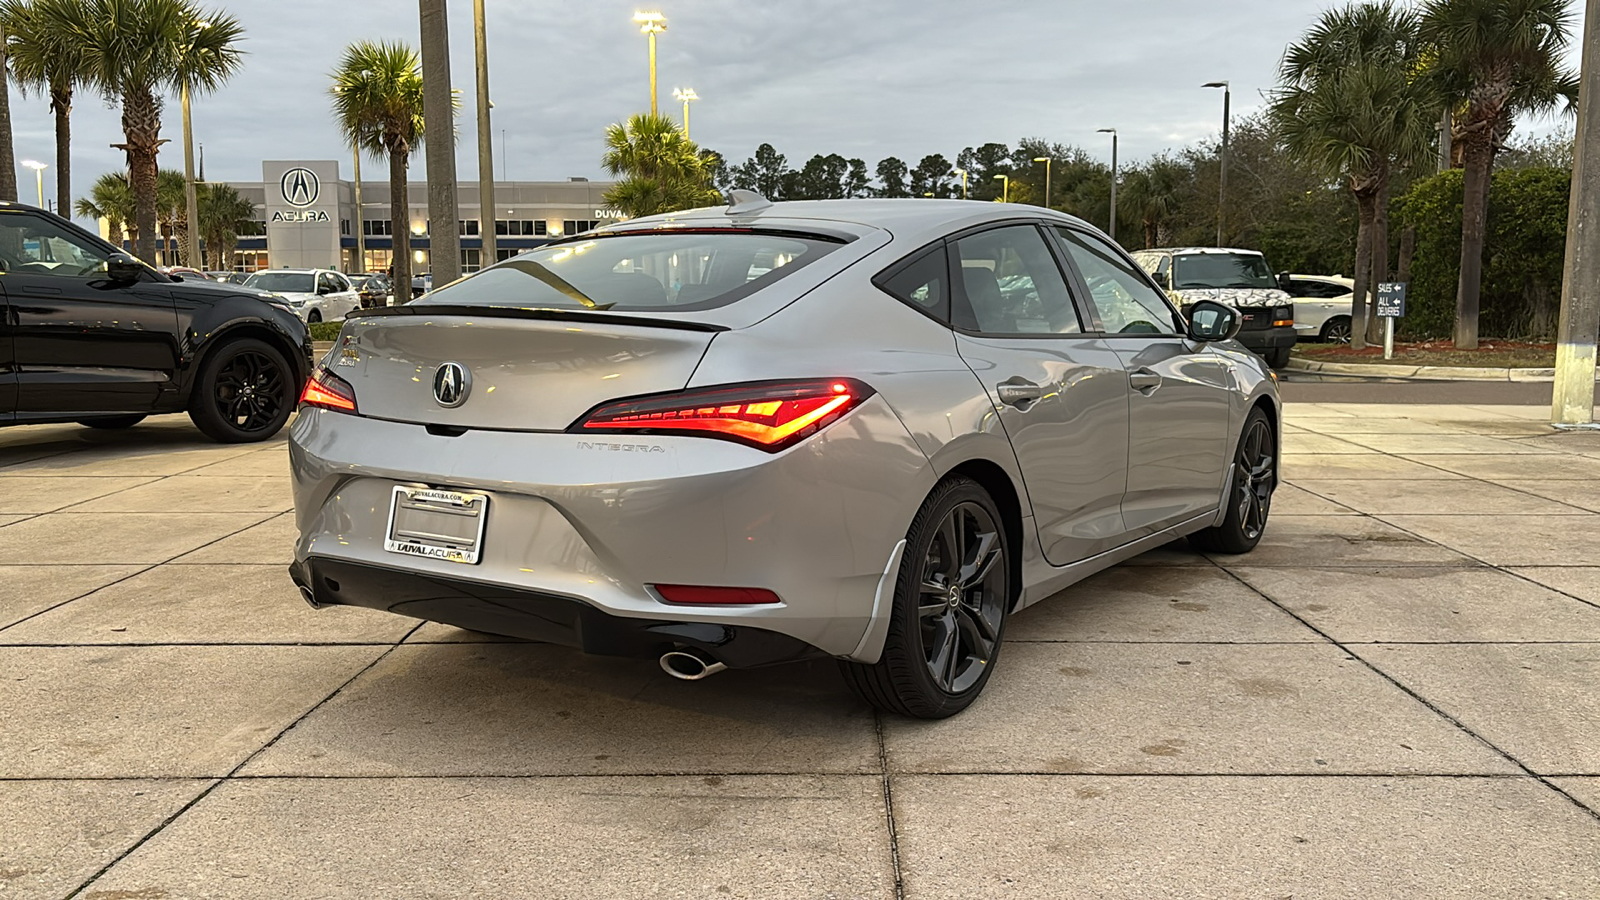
300, 186
451, 382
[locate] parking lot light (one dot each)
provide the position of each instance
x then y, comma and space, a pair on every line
651, 24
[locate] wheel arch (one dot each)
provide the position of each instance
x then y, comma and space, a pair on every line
998, 484
242, 331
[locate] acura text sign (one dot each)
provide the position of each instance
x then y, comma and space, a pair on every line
1392, 300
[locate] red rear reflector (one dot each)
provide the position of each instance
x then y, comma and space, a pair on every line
771, 416
326, 390
715, 596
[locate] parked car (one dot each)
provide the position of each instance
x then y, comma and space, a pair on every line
927, 415
228, 277
375, 289
1321, 306
421, 284
184, 273
89, 334
318, 295
1237, 278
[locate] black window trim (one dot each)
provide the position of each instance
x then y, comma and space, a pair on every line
1083, 285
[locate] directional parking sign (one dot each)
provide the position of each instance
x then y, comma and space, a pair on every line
1392, 299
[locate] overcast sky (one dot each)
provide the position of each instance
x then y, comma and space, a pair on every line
868, 79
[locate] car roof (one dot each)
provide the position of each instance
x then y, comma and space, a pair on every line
1333, 279
292, 271
916, 220
1195, 250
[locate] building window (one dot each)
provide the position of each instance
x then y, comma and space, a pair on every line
249, 260
344, 226
377, 227
468, 227
501, 254
519, 227
471, 260
255, 228
578, 226
378, 260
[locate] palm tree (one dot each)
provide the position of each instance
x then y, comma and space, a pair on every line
223, 211
138, 52
659, 168
45, 41
8, 162
1150, 193
1351, 106
1499, 59
111, 199
377, 98
172, 216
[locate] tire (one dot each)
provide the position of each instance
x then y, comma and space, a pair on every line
244, 393
313, 317
112, 423
1335, 331
1249, 498
958, 530
1278, 357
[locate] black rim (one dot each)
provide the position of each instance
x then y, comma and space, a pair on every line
1339, 333
249, 392
961, 600
1257, 479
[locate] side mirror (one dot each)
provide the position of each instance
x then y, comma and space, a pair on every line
1162, 279
1210, 322
123, 269
1283, 283
323, 290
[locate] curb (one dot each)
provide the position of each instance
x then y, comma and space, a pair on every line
1429, 373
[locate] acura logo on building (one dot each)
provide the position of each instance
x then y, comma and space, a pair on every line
300, 186
451, 382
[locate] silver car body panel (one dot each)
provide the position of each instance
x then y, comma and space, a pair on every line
599, 518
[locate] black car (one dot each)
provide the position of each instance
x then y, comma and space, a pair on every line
89, 334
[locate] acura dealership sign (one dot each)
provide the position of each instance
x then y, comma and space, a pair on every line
300, 187
298, 195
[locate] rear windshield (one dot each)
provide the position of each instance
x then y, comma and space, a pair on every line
288, 282
1221, 270
650, 271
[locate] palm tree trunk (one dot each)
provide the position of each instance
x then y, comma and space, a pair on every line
61, 105
1478, 156
400, 224
1367, 212
114, 232
141, 126
1380, 256
8, 162
1149, 233
1408, 250
186, 254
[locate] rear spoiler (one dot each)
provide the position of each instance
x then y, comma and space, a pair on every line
522, 312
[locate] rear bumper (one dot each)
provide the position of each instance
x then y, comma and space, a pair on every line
537, 616
1269, 338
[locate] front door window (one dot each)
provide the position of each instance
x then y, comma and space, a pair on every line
34, 245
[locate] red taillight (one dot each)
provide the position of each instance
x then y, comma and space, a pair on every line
715, 596
328, 391
771, 416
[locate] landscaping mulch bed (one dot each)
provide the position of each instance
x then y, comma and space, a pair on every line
1492, 354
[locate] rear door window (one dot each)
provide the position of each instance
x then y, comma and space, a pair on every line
655, 271
1009, 283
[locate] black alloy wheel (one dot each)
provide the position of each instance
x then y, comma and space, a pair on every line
951, 601
244, 393
313, 317
1336, 331
1255, 478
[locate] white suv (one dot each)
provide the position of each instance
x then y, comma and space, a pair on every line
1321, 306
318, 295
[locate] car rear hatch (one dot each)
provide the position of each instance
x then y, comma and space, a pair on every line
543, 338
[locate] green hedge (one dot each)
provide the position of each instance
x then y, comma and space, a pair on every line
1524, 247
325, 331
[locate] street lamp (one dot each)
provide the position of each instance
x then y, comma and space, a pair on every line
1113, 133
38, 170
651, 24
480, 46
1046, 160
963, 174
190, 198
1222, 180
687, 95
1005, 187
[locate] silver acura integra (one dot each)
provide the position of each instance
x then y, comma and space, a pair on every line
732, 437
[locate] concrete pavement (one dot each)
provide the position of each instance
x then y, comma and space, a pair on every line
1394, 696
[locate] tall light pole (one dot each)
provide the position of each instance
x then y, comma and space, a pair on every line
480, 36
651, 24
1113, 133
963, 174
190, 199
1046, 160
1222, 180
1572, 404
38, 171
361, 237
687, 95
1005, 187
439, 125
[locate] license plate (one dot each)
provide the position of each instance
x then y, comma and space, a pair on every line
445, 525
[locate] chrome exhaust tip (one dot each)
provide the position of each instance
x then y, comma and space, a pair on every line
689, 665
309, 597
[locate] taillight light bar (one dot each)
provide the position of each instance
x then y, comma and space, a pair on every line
768, 415
326, 390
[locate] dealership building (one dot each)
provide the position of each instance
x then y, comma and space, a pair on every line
307, 218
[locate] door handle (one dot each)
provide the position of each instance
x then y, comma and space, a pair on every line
1144, 381
1019, 393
